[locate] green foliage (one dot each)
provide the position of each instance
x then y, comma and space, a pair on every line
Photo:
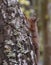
25, 7
24, 2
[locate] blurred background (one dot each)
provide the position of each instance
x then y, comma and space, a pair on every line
42, 9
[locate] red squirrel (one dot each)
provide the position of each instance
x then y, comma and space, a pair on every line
34, 31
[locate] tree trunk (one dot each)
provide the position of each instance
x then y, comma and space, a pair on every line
16, 40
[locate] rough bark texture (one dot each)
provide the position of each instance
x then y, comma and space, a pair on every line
16, 45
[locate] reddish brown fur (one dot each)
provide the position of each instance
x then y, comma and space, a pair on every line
34, 31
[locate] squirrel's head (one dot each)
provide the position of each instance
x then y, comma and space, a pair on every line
34, 19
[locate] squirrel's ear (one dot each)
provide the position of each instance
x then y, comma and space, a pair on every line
34, 19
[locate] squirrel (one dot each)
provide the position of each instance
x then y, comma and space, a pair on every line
34, 31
